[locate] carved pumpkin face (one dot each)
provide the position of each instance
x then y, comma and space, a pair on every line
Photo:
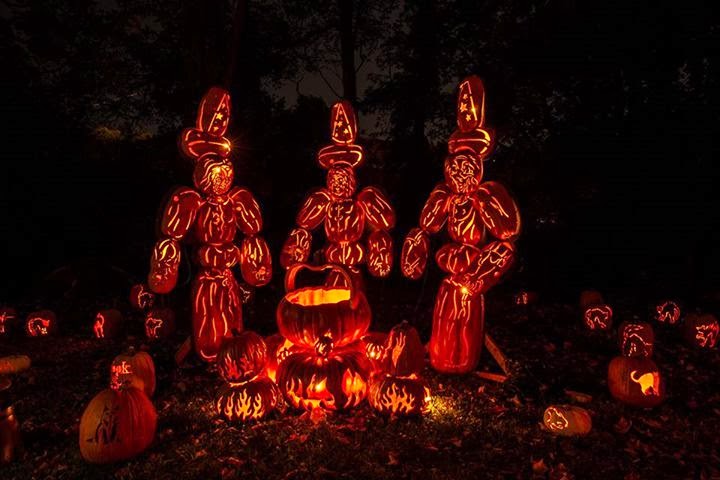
159, 323
117, 425
141, 297
41, 324
636, 381
404, 352
213, 175
246, 401
335, 382
702, 330
213, 114
667, 312
134, 368
463, 172
8, 317
341, 181
241, 357
636, 339
107, 324
400, 395
567, 420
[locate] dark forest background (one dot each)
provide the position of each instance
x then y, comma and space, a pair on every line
607, 117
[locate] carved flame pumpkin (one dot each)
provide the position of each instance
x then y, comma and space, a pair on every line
141, 297
334, 382
159, 323
404, 352
241, 357
636, 339
307, 314
8, 320
636, 381
278, 349
251, 400
567, 420
107, 324
393, 395
41, 323
117, 425
702, 330
668, 312
134, 368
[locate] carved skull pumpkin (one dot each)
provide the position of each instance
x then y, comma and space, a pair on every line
393, 395
159, 323
41, 323
107, 324
636, 339
636, 381
134, 368
117, 424
702, 330
251, 400
242, 357
567, 420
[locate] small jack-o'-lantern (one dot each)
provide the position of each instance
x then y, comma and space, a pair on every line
394, 395
41, 323
636, 381
251, 400
373, 344
702, 330
597, 315
141, 297
117, 424
8, 320
305, 315
636, 339
241, 357
333, 382
668, 312
567, 420
159, 323
134, 368
107, 324
278, 349
404, 352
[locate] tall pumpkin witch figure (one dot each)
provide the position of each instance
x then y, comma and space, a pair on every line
471, 209
211, 214
345, 215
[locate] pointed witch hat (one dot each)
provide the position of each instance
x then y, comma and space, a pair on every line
471, 133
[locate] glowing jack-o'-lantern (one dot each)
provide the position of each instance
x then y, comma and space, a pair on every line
41, 323
636, 339
333, 382
250, 400
159, 323
567, 420
241, 357
394, 395
141, 297
668, 312
307, 314
107, 324
636, 381
8, 319
134, 368
702, 330
597, 315
117, 424
404, 353
373, 344
278, 349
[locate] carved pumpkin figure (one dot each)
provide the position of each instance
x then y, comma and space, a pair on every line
636, 339
567, 420
597, 315
141, 297
108, 324
373, 344
636, 381
8, 320
392, 395
702, 330
242, 357
333, 382
41, 323
469, 209
212, 214
307, 314
250, 400
159, 323
404, 353
668, 312
134, 368
117, 424
345, 215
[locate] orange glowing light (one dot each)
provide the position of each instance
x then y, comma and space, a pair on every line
649, 382
598, 317
7, 317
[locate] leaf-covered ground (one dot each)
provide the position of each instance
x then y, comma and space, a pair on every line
476, 429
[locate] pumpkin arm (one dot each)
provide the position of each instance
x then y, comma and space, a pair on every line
377, 209
314, 210
379, 253
164, 265
255, 261
247, 211
498, 210
296, 248
493, 260
179, 213
414, 253
435, 212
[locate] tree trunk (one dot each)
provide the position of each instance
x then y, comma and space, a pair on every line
237, 33
347, 50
